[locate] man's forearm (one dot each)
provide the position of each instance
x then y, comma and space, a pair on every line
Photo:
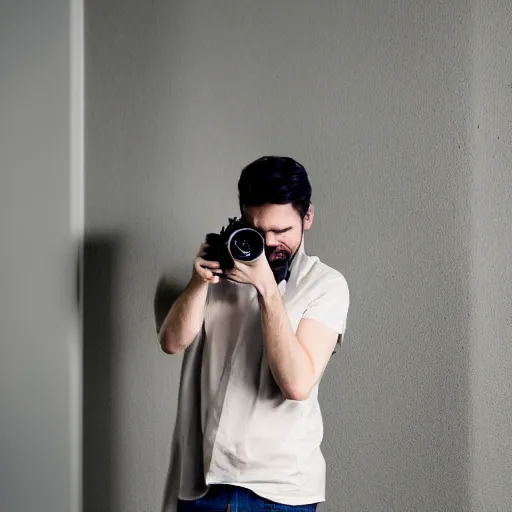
185, 318
289, 361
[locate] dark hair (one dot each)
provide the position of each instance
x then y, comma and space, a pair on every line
275, 180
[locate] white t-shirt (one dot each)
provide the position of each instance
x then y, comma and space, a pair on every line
234, 425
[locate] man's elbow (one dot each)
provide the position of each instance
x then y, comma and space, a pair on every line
168, 345
169, 349
297, 393
296, 397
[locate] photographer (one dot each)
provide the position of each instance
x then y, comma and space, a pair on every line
257, 336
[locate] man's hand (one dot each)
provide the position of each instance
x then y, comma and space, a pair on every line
258, 273
205, 270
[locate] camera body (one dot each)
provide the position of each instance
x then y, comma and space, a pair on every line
236, 241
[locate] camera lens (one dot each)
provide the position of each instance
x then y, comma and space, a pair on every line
245, 245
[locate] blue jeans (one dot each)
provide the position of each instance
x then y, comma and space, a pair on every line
228, 498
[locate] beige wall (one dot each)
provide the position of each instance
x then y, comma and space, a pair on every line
378, 100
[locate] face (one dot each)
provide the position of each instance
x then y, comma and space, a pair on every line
281, 226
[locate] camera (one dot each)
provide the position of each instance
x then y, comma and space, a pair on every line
236, 241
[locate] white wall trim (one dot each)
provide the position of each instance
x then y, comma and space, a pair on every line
77, 231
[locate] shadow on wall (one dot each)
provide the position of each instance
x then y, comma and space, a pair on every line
101, 256
167, 291
101, 259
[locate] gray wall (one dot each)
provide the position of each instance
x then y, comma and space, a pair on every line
41, 58
491, 250
379, 101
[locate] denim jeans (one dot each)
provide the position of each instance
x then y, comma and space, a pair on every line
227, 498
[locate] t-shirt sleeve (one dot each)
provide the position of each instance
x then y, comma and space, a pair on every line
330, 306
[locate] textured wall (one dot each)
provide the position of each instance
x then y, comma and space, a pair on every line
491, 291
374, 99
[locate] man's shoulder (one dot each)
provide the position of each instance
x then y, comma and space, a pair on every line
317, 275
315, 269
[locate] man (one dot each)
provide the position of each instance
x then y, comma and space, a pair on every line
256, 344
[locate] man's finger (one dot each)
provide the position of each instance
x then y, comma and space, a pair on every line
208, 264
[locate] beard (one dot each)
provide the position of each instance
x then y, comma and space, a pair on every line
279, 261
